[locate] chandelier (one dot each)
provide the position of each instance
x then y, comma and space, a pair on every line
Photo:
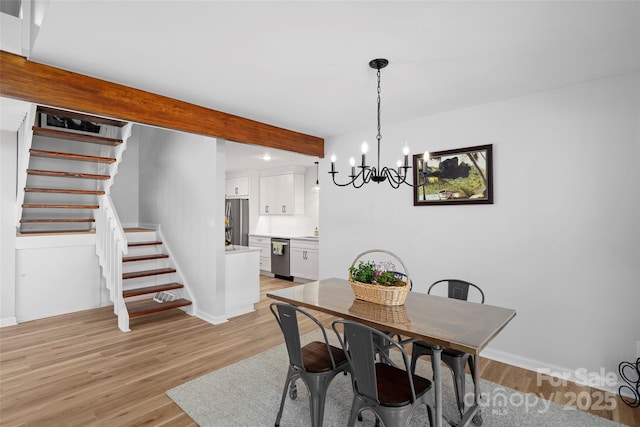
365, 174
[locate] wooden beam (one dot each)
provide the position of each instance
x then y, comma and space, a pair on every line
42, 84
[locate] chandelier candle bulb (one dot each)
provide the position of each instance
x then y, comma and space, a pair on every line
352, 162
400, 165
405, 151
333, 163
365, 148
425, 158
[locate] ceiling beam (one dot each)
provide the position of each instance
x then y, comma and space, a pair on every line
42, 84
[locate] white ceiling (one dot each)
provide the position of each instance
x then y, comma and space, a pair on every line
303, 65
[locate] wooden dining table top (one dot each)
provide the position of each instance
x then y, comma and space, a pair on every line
448, 322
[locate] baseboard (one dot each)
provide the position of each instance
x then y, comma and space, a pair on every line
8, 321
214, 320
599, 380
239, 311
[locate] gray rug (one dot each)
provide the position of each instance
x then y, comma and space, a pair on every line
248, 394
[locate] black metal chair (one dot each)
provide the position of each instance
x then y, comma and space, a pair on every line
317, 363
390, 391
454, 359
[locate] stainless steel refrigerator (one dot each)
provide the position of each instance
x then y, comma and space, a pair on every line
237, 221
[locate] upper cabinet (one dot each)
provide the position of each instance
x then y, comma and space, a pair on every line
282, 194
237, 187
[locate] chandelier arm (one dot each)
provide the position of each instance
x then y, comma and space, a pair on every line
363, 182
389, 173
352, 181
366, 177
401, 179
333, 176
394, 178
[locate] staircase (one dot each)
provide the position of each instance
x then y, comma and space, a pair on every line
70, 161
148, 272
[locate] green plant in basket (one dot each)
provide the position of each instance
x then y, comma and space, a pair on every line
382, 273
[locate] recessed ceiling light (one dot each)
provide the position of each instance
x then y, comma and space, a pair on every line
265, 157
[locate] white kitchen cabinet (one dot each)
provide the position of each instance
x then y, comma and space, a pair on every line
242, 281
282, 194
304, 259
264, 243
237, 187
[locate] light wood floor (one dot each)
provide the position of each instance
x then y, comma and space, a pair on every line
80, 370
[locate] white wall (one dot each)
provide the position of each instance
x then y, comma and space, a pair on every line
560, 244
10, 34
8, 165
56, 275
125, 192
182, 189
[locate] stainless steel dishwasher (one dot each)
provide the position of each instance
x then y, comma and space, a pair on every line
280, 258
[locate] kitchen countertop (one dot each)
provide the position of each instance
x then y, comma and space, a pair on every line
237, 249
284, 236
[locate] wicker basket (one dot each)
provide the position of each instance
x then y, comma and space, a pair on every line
380, 313
379, 294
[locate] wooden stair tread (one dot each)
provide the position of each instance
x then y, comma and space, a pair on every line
144, 257
44, 220
53, 232
147, 273
70, 156
134, 244
151, 289
80, 116
72, 136
149, 306
67, 174
47, 206
63, 190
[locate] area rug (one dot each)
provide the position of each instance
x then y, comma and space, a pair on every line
248, 394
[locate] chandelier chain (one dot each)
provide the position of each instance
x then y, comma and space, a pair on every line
379, 136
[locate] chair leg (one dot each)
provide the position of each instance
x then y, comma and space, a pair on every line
472, 368
456, 365
356, 408
290, 376
398, 417
415, 354
318, 386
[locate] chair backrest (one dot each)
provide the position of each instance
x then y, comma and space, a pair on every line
286, 316
458, 289
359, 343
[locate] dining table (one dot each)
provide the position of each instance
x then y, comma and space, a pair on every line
443, 322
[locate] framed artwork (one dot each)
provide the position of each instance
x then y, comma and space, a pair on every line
454, 177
